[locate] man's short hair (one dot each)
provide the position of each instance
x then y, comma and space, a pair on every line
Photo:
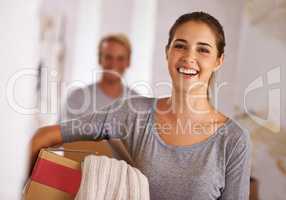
119, 38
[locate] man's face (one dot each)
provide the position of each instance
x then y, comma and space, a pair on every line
114, 58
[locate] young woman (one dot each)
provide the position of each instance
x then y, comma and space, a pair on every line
186, 148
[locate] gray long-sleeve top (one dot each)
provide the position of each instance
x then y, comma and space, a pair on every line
216, 168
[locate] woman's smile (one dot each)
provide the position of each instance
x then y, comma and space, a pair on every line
188, 72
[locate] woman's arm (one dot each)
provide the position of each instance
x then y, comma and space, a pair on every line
107, 123
44, 137
237, 175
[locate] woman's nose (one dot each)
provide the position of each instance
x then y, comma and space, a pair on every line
189, 56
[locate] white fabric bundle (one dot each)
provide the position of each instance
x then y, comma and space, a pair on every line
106, 178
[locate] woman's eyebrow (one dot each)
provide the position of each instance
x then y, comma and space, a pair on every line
204, 44
181, 40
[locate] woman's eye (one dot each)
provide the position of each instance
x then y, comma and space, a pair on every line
180, 46
203, 50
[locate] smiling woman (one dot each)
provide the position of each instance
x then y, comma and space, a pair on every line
185, 147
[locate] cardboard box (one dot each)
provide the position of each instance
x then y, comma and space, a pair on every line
83, 148
54, 177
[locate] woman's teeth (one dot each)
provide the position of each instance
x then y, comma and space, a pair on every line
188, 71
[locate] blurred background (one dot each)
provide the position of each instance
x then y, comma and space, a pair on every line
49, 47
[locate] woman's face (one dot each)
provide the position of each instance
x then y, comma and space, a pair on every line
193, 56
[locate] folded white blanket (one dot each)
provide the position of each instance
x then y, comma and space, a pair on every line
106, 178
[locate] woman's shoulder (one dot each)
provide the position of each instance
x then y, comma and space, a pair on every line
234, 128
234, 133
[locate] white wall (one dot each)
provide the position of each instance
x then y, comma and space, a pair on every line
87, 30
64, 12
261, 71
262, 53
18, 39
142, 35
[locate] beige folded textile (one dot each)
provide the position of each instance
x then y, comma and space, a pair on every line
106, 178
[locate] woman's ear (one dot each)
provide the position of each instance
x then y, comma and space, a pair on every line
220, 61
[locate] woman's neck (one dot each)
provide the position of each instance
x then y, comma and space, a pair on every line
194, 104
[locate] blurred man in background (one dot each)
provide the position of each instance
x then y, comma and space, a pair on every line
114, 59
